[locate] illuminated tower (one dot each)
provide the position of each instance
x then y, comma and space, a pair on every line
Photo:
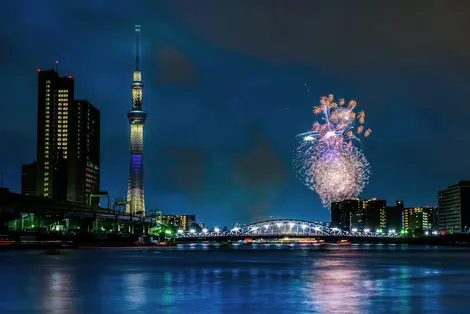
136, 116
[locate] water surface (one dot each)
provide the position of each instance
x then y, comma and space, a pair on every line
235, 281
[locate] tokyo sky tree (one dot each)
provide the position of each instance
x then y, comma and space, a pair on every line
136, 116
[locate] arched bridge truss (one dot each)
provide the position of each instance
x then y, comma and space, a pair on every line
282, 228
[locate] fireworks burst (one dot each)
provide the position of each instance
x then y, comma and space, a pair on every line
329, 160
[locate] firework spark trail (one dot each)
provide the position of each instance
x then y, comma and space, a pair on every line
329, 159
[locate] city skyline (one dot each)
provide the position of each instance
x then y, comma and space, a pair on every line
224, 120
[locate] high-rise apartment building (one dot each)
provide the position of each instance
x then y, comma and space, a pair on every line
182, 222
371, 215
83, 164
342, 213
416, 218
68, 141
394, 216
55, 95
454, 208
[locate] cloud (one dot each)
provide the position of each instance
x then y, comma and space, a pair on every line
259, 173
189, 171
173, 67
333, 35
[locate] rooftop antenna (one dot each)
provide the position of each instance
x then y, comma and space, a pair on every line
57, 66
137, 35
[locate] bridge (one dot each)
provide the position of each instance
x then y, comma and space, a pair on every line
282, 228
19, 212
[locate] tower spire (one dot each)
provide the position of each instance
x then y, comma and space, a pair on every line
137, 35
136, 116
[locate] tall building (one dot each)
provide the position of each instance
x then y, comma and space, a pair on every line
416, 218
55, 95
136, 117
68, 141
454, 208
182, 222
28, 178
375, 213
83, 164
394, 216
342, 213
433, 213
371, 215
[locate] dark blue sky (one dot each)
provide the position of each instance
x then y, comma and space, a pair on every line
224, 91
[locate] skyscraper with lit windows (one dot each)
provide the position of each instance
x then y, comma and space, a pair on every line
83, 163
55, 95
136, 117
68, 141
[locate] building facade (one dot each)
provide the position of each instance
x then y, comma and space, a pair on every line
28, 178
136, 117
416, 219
371, 215
181, 222
83, 164
68, 141
342, 213
454, 208
394, 216
55, 95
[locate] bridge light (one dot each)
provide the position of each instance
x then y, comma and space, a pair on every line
192, 231
391, 231
266, 227
378, 231
291, 224
366, 230
426, 232
335, 229
235, 229
216, 229
279, 225
317, 228
304, 226
180, 231
435, 232
204, 230
354, 230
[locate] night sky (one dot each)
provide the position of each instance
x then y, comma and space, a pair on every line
225, 91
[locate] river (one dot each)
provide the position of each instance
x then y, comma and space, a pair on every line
235, 281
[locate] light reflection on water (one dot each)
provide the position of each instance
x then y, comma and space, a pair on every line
124, 281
